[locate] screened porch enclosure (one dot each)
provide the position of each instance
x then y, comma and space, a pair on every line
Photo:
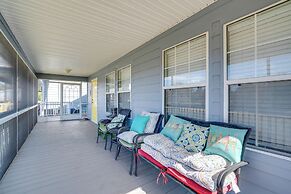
66, 67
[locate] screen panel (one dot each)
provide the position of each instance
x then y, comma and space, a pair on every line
7, 78
22, 128
30, 94
8, 144
30, 120
35, 113
22, 85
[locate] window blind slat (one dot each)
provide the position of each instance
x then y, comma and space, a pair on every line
182, 55
274, 24
110, 83
124, 87
124, 79
241, 34
241, 64
170, 58
198, 48
186, 63
274, 59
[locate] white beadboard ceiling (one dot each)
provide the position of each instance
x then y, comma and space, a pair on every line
87, 35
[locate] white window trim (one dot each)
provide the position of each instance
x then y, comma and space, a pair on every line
114, 92
125, 91
227, 82
199, 84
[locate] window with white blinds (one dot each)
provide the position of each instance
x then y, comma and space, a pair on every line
258, 77
185, 64
185, 75
260, 45
110, 91
124, 87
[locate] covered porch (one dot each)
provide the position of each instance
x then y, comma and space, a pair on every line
62, 157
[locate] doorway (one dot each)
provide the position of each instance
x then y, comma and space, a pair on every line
62, 100
94, 116
71, 101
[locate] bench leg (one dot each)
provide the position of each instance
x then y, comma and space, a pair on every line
105, 136
97, 140
135, 161
131, 162
111, 141
117, 151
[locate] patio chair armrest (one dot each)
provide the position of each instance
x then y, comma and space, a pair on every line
117, 127
104, 121
114, 130
123, 129
114, 123
139, 136
223, 174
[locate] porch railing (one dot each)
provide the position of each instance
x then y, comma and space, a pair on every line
50, 109
54, 109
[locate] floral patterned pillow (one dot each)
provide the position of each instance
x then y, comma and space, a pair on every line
193, 138
115, 122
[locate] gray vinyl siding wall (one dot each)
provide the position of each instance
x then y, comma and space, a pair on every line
266, 173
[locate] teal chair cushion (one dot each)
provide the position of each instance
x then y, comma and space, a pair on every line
226, 142
139, 123
174, 128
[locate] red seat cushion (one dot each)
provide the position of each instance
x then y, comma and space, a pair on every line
150, 158
192, 184
181, 178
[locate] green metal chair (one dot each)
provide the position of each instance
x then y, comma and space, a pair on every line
133, 144
107, 127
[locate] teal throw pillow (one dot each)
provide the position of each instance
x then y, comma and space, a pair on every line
226, 142
139, 123
174, 128
193, 138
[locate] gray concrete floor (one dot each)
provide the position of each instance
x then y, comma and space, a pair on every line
63, 158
